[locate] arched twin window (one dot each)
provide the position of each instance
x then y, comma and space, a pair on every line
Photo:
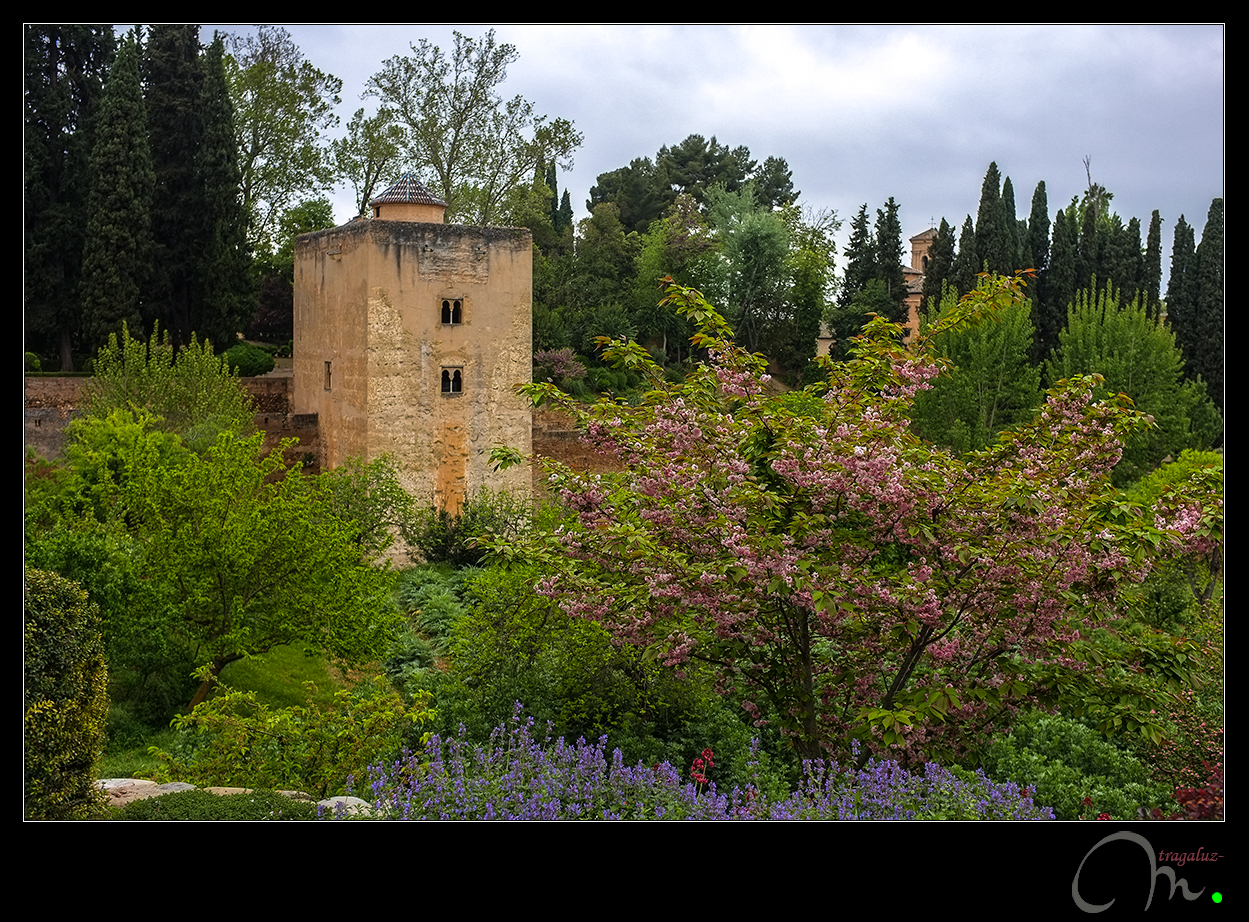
452, 381
452, 311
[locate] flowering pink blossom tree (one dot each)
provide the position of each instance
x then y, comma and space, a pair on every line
848, 579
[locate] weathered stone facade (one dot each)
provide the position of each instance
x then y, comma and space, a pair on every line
409, 340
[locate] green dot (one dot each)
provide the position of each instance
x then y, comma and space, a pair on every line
1216, 896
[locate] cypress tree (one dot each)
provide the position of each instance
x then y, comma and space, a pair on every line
1010, 226
1206, 358
223, 300
1088, 248
1151, 279
564, 214
174, 93
118, 250
1182, 286
860, 259
966, 266
1039, 230
888, 258
65, 70
992, 244
940, 265
1060, 286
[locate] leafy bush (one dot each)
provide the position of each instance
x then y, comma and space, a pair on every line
240, 741
201, 805
248, 360
191, 390
443, 537
1074, 769
33, 363
66, 698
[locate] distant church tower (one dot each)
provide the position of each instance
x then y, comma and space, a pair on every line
410, 337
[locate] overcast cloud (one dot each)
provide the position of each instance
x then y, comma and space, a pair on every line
864, 112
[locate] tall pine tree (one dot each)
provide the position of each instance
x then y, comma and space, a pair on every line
117, 255
223, 299
860, 256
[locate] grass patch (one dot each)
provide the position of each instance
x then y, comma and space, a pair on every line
278, 677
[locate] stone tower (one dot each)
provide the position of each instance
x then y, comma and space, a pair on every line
410, 337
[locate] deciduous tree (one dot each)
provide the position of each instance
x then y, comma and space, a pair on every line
283, 106
843, 577
471, 145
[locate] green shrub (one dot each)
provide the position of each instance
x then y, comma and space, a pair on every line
1074, 770
443, 537
66, 698
33, 363
235, 740
249, 360
200, 805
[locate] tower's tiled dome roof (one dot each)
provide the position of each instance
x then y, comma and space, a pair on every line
408, 189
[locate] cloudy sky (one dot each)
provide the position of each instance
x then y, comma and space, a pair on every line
865, 112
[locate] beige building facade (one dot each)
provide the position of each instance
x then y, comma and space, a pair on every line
410, 338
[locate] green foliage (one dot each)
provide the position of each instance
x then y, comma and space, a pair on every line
33, 363
65, 698
989, 385
513, 645
1074, 770
283, 106
444, 537
370, 155
192, 391
249, 555
247, 360
371, 502
239, 741
1136, 355
201, 806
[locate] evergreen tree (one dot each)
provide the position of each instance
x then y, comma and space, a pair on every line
1010, 226
65, 69
1206, 356
1151, 279
564, 214
1039, 230
940, 265
1059, 287
993, 247
1089, 246
888, 259
224, 299
117, 255
966, 266
1182, 287
860, 255
174, 87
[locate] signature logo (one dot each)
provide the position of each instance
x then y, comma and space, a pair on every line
1154, 872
